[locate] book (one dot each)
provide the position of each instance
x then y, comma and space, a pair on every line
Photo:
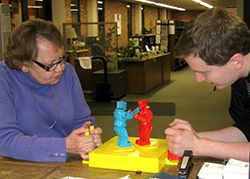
162, 175
233, 169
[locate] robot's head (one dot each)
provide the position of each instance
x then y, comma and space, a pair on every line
121, 105
143, 103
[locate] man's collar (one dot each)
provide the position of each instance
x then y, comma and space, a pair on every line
248, 77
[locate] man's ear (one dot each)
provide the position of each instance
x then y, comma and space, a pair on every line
237, 60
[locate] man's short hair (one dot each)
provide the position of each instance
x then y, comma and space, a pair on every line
214, 36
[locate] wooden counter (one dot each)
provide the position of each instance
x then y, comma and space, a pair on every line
73, 54
143, 76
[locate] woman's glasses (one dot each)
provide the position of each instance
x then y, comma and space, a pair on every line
53, 66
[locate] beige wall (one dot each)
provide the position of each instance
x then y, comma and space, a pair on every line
150, 17
68, 11
83, 11
83, 16
120, 7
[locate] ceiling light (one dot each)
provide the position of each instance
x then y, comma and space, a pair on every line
203, 3
161, 4
35, 7
146, 1
171, 7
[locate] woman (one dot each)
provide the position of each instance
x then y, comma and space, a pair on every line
43, 111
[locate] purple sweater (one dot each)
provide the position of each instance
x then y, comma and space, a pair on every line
22, 136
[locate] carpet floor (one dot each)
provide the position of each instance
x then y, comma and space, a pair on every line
107, 108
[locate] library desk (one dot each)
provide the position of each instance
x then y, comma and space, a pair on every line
143, 76
73, 54
10, 168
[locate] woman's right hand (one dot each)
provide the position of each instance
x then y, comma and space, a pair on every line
78, 143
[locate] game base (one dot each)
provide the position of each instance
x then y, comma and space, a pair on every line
150, 158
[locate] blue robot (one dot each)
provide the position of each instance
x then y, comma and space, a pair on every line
120, 123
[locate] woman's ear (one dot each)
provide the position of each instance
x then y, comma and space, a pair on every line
24, 69
237, 60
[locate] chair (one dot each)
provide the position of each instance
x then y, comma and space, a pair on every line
97, 50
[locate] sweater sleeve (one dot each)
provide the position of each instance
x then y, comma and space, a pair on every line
33, 148
13, 141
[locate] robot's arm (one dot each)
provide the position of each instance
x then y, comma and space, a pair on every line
140, 118
131, 114
144, 116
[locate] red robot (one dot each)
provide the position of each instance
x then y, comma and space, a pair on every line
145, 117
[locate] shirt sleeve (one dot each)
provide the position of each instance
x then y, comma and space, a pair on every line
240, 107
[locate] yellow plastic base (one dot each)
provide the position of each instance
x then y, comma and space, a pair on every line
150, 158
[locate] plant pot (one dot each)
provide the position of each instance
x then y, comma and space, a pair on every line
111, 66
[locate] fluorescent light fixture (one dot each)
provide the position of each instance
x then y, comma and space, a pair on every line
35, 7
171, 7
203, 3
99, 2
146, 1
161, 4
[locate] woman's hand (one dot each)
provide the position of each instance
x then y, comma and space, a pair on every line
96, 133
78, 143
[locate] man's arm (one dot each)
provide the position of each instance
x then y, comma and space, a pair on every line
228, 142
222, 150
229, 134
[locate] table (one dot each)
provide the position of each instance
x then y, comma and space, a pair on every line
10, 168
117, 80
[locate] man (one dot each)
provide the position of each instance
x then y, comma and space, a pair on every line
216, 47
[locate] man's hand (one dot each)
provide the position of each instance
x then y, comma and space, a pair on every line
180, 136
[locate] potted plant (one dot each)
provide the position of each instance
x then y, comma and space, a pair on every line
132, 52
107, 44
